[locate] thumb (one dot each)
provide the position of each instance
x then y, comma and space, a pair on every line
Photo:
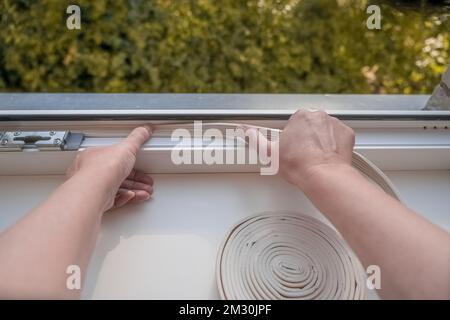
137, 138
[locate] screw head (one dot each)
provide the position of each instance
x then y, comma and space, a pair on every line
52, 133
57, 142
4, 141
17, 133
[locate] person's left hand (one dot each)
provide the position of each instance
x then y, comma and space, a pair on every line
113, 168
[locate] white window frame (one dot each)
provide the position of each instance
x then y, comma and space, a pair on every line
391, 130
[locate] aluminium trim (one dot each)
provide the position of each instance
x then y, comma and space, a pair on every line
211, 114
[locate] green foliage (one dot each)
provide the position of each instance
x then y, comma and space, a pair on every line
277, 46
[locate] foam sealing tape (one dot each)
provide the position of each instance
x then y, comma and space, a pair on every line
289, 255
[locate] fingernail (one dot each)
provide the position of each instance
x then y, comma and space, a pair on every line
149, 128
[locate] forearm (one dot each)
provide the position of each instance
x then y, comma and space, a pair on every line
36, 251
413, 254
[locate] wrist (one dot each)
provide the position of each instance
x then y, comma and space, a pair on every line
98, 186
320, 175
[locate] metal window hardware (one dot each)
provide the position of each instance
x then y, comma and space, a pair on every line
40, 140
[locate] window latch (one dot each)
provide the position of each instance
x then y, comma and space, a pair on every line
40, 140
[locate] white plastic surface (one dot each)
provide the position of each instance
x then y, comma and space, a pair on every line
166, 248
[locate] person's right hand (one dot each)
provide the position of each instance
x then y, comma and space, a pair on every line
312, 142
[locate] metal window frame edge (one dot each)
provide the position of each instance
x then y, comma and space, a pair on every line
211, 114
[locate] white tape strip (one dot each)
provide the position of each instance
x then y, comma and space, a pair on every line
292, 256
287, 256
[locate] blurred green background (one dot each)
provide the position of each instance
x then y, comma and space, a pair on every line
284, 46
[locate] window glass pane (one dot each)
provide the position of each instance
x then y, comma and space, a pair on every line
223, 46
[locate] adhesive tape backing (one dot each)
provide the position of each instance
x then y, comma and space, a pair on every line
289, 255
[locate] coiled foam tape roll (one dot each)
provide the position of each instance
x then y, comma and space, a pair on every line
288, 255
